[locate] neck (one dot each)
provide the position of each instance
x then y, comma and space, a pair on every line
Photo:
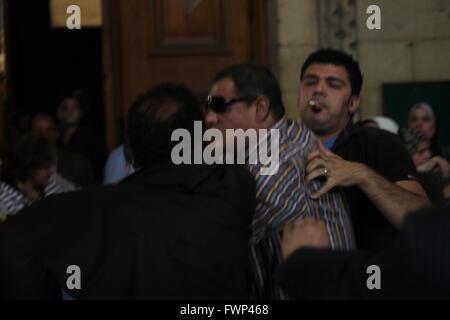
328, 135
269, 122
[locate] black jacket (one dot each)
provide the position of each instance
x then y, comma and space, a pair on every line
168, 232
415, 266
384, 153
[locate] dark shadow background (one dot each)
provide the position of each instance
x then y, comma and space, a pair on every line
45, 64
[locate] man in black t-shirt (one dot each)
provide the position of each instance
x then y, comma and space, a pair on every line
373, 166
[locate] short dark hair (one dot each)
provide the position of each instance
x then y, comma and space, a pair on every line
154, 116
338, 58
30, 153
253, 80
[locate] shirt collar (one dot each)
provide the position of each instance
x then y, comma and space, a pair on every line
330, 142
343, 136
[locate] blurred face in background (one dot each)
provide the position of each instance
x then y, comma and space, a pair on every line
421, 120
423, 154
45, 126
42, 176
69, 112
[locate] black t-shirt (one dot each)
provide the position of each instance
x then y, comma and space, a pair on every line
383, 152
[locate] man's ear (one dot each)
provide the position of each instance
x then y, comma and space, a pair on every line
353, 104
262, 108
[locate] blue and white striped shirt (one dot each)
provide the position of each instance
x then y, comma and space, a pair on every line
12, 200
284, 197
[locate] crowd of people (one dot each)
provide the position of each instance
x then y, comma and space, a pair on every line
346, 195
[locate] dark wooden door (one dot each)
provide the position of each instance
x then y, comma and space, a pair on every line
147, 42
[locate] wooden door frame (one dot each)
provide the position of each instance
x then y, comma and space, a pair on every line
9, 80
111, 69
112, 59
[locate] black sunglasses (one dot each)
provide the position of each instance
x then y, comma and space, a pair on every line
220, 104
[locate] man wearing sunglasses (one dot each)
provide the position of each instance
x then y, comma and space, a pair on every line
248, 97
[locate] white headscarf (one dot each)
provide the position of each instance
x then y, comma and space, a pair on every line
387, 124
425, 106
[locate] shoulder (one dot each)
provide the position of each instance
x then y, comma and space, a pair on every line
375, 136
58, 184
370, 143
381, 150
238, 176
296, 142
11, 200
6, 189
77, 205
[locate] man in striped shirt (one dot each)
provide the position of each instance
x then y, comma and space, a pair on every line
247, 96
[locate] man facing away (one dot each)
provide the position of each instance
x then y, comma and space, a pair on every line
247, 96
166, 232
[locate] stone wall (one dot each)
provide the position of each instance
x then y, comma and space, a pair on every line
413, 44
293, 34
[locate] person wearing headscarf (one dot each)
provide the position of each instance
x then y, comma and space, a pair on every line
433, 170
423, 118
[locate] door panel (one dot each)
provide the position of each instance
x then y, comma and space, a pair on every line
147, 42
